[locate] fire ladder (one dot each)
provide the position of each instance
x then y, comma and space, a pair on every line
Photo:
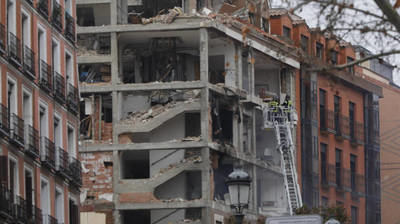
283, 133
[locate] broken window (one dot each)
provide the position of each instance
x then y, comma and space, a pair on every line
93, 15
94, 73
135, 165
92, 44
155, 7
216, 69
222, 121
192, 125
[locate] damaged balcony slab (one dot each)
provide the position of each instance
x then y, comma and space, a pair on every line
160, 205
91, 59
141, 146
141, 87
229, 91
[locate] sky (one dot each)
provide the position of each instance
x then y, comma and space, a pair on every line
374, 43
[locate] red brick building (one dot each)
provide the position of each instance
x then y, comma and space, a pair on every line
39, 167
339, 143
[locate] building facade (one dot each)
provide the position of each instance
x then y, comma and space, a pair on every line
338, 158
40, 172
172, 103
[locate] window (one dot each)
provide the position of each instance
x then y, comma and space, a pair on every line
351, 68
59, 205
352, 120
324, 202
42, 46
69, 69
337, 114
338, 167
322, 109
324, 159
26, 29
57, 132
71, 142
287, 32
11, 97
319, 50
29, 191
354, 215
27, 105
265, 24
334, 57
45, 197
13, 177
304, 43
56, 56
43, 119
73, 211
353, 160
11, 17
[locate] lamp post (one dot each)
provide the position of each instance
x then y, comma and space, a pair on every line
239, 191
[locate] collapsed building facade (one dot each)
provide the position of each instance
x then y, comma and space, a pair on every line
172, 102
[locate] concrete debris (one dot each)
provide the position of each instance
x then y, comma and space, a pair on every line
191, 138
164, 18
107, 197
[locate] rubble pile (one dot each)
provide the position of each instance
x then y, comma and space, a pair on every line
164, 18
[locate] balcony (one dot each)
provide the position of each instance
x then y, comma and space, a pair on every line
357, 185
45, 80
43, 8
29, 63
72, 99
69, 27
62, 162
19, 210
75, 171
57, 16
17, 130
6, 205
2, 39
48, 153
14, 49
4, 121
59, 87
32, 142
339, 178
326, 118
357, 134
34, 214
48, 219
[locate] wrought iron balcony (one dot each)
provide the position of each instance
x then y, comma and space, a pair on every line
357, 133
6, 202
17, 130
75, 171
20, 212
62, 162
29, 63
43, 8
48, 153
32, 142
72, 99
46, 78
59, 87
326, 118
4, 121
34, 214
57, 15
48, 219
14, 49
69, 27
2, 39
339, 178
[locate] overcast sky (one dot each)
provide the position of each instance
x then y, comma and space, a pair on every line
374, 43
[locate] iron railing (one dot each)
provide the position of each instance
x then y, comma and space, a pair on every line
62, 161
2, 38
59, 87
4, 121
69, 27
75, 171
326, 120
357, 133
34, 214
17, 130
57, 15
29, 62
48, 153
19, 212
45, 80
72, 99
6, 201
32, 141
14, 48
43, 8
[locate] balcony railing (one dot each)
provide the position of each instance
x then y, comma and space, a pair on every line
2, 39
357, 134
20, 213
17, 130
6, 205
75, 171
32, 141
34, 214
59, 87
48, 219
326, 120
339, 178
4, 121
72, 99
62, 161
43, 8
14, 48
48, 152
45, 80
29, 62
69, 27
57, 16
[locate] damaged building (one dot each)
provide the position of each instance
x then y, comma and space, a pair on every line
172, 98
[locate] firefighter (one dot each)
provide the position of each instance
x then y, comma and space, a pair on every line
287, 106
274, 108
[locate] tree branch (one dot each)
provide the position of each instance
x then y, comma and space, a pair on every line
389, 12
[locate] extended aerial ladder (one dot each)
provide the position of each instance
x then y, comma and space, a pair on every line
282, 120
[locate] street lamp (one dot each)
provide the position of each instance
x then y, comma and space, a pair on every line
239, 191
